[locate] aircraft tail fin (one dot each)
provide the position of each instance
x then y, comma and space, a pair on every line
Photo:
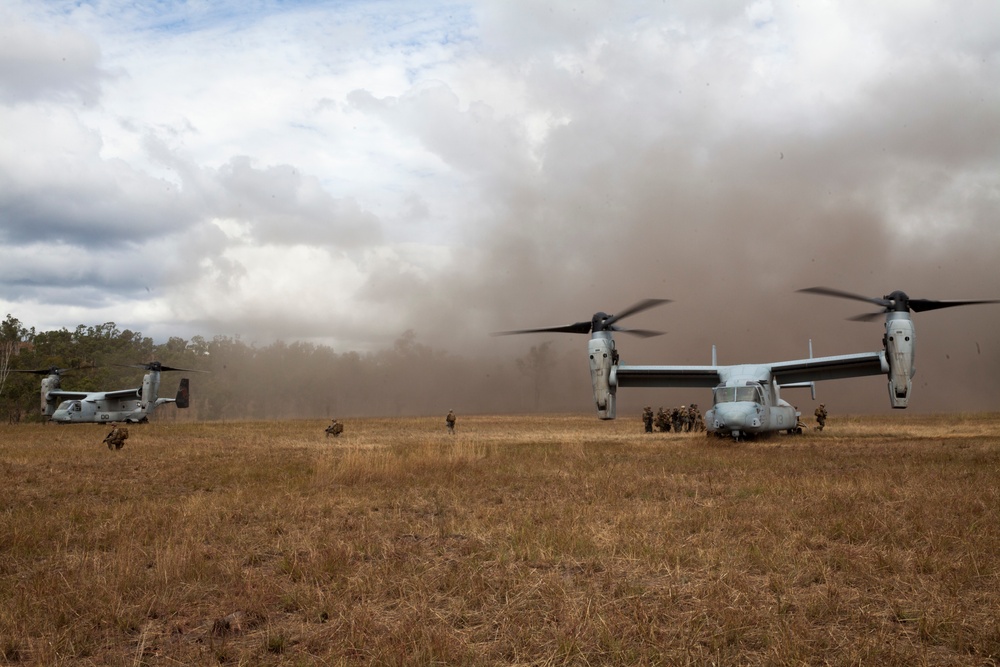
183, 394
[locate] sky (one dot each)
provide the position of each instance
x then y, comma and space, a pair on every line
344, 172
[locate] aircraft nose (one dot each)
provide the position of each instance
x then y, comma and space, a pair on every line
736, 416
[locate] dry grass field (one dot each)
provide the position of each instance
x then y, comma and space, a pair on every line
558, 540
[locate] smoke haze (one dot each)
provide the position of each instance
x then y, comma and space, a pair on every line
339, 176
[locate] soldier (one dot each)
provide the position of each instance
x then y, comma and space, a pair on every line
697, 421
117, 437
647, 418
685, 418
675, 417
662, 422
820, 417
334, 429
450, 421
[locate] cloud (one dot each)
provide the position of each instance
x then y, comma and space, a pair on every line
57, 186
38, 64
348, 173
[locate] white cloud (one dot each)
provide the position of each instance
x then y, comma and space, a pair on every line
35, 63
362, 168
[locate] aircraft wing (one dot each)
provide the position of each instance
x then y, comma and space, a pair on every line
66, 395
829, 368
666, 376
122, 393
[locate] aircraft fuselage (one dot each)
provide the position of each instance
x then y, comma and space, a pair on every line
100, 411
747, 404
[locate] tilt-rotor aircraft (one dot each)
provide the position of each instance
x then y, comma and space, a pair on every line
746, 397
122, 405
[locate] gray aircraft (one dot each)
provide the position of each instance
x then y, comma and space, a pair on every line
746, 397
134, 405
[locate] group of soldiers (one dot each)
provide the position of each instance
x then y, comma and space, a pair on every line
685, 419
820, 414
688, 418
682, 420
336, 428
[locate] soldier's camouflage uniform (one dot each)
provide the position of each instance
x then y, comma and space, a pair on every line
675, 417
685, 417
116, 439
662, 422
697, 421
820, 417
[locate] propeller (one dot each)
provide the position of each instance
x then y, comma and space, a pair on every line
157, 366
893, 302
44, 371
600, 322
52, 370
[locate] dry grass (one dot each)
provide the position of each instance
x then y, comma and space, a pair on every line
541, 541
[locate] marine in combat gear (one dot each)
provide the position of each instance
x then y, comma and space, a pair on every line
697, 420
685, 417
820, 417
450, 421
334, 429
662, 421
647, 418
675, 419
117, 437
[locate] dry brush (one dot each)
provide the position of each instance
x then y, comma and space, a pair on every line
519, 540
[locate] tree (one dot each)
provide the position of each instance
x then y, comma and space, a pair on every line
12, 335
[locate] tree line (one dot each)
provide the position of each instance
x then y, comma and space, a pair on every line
241, 380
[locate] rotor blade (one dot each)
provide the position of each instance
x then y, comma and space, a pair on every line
645, 304
53, 370
641, 333
827, 291
921, 305
161, 367
578, 328
867, 317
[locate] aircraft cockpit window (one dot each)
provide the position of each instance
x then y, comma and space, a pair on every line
731, 394
725, 394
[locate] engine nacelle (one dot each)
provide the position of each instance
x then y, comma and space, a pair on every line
49, 383
603, 358
899, 342
150, 389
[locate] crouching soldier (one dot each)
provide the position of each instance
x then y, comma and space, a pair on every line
334, 429
116, 439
